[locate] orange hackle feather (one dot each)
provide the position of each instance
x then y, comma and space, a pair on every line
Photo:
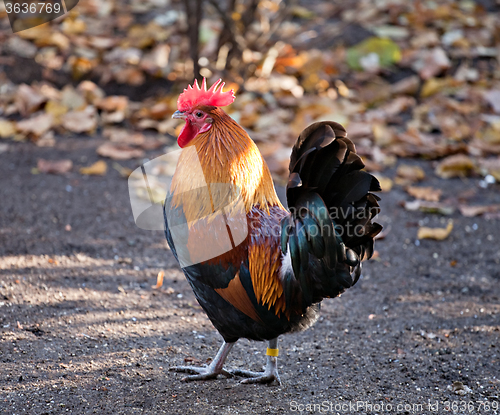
227, 155
194, 96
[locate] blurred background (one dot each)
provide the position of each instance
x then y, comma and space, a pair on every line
408, 79
85, 322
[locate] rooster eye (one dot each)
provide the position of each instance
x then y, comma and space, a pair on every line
199, 114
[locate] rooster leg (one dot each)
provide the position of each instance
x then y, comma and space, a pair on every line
270, 374
211, 371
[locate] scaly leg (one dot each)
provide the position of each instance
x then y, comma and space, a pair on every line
270, 374
212, 370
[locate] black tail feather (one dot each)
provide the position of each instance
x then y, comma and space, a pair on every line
329, 192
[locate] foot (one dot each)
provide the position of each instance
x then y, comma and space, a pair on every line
209, 372
200, 373
270, 375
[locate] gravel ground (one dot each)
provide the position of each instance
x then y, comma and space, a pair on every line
82, 330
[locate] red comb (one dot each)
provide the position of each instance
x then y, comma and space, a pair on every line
194, 96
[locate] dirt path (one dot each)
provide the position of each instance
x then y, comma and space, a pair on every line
82, 331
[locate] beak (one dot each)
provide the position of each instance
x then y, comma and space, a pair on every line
179, 115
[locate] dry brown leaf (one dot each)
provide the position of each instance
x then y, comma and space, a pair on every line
54, 166
408, 85
428, 207
438, 234
72, 99
156, 61
113, 117
493, 98
434, 85
431, 62
113, 103
385, 183
28, 100
383, 135
471, 211
159, 280
73, 26
46, 140
425, 193
131, 76
118, 151
121, 135
80, 121
406, 173
458, 165
7, 128
102, 43
37, 125
359, 129
491, 166
91, 92
160, 110
55, 108
99, 168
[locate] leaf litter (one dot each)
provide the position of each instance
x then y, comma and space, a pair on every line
415, 80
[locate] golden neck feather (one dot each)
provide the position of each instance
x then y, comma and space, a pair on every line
227, 155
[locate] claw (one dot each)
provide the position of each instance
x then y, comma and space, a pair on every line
268, 376
200, 373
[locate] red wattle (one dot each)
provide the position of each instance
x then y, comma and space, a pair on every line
188, 132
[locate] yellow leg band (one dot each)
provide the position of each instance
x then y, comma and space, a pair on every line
273, 352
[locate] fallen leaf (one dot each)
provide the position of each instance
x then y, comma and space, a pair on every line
46, 140
91, 92
428, 207
438, 234
37, 125
117, 151
113, 117
458, 165
373, 53
493, 98
80, 121
124, 136
383, 135
490, 166
431, 62
54, 166
55, 108
131, 76
72, 98
425, 193
28, 99
434, 85
156, 61
471, 211
7, 128
4, 147
73, 26
424, 39
99, 168
159, 280
113, 103
385, 183
408, 85
406, 173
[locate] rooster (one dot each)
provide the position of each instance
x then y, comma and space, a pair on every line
280, 263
